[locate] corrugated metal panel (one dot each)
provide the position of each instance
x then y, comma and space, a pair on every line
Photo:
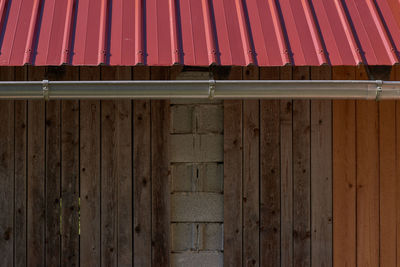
199, 32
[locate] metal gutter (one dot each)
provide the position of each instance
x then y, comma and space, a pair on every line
218, 89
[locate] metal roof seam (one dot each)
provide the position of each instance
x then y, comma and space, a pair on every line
379, 22
102, 49
355, 49
139, 51
278, 26
244, 32
31, 32
174, 33
315, 34
67, 32
211, 48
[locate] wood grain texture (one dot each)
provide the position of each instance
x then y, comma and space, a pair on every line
53, 182
367, 120
270, 183
387, 183
36, 176
286, 170
7, 182
301, 176
118, 118
89, 176
20, 180
251, 182
233, 182
251, 174
344, 175
321, 175
70, 182
142, 177
7, 173
270, 179
161, 213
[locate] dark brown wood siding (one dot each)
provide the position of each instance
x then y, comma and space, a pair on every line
82, 180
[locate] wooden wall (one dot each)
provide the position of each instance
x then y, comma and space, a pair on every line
312, 183
278, 178
84, 183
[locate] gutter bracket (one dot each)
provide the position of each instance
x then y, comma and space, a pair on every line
379, 90
45, 89
211, 89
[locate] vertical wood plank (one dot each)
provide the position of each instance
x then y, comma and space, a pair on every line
388, 182
161, 214
233, 175
61, 175
251, 172
301, 176
321, 175
344, 175
90, 175
270, 185
20, 176
70, 182
232, 182
142, 176
116, 208
6, 181
286, 171
36, 176
396, 77
7, 173
53, 182
367, 116
251, 182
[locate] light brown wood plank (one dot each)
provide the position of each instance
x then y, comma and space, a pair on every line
36, 176
387, 182
367, 120
251, 182
90, 175
53, 182
233, 182
286, 172
161, 214
301, 176
6, 182
344, 175
270, 180
321, 175
142, 176
70, 182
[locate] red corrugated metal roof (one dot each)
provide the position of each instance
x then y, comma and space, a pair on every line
199, 32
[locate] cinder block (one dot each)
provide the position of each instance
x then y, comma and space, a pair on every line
197, 177
211, 177
210, 236
183, 236
196, 207
209, 119
197, 259
210, 148
182, 148
182, 119
182, 177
